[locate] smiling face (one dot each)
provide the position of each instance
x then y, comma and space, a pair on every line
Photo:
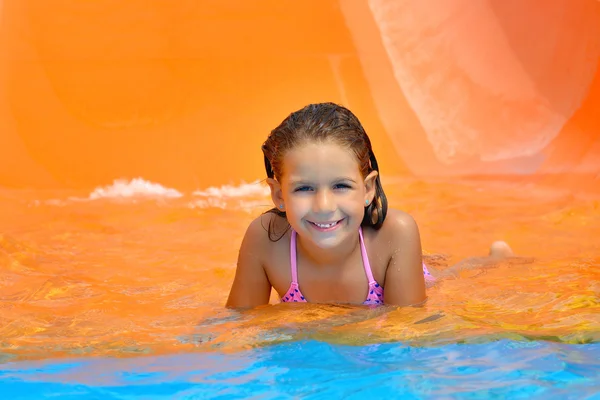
323, 192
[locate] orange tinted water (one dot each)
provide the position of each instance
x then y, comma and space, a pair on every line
114, 277
184, 95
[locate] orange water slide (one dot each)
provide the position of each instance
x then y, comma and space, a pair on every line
183, 93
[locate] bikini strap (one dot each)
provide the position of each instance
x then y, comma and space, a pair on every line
365, 257
363, 251
293, 257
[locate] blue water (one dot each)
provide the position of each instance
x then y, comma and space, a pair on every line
317, 370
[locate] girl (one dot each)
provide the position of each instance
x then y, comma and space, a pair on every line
330, 237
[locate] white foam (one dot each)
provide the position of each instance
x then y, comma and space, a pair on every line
137, 187
254, 189
231, 204
248, 197
208, 203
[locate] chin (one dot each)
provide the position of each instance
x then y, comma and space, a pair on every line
329, 243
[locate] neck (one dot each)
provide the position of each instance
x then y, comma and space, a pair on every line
328, 257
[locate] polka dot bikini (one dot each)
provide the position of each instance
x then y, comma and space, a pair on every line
294, 294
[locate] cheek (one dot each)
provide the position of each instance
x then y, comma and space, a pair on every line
298, 205
354, 202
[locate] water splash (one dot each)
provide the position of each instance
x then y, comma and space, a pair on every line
245, 196
137, 187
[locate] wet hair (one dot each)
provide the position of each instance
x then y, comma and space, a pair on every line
324, 123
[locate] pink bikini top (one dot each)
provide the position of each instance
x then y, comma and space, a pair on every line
375, 295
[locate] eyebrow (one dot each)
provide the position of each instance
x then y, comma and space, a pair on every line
305, 182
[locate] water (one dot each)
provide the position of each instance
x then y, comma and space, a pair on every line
118, 292
318, 370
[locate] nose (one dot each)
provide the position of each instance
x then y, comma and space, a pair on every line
324, 202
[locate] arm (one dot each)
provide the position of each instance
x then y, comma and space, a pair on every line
404, 281
251, 287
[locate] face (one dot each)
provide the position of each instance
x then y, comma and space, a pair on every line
323, 192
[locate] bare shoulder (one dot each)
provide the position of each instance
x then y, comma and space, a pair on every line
404, 282
398, 236
257, 233
399, 226
257, 228
251, 285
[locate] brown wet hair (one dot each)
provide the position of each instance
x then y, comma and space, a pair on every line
324, 123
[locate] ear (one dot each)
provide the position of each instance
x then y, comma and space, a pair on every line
276, 194
370, 186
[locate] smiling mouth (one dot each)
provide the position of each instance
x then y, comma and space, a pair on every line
326, 225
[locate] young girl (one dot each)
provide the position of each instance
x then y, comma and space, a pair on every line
330, 237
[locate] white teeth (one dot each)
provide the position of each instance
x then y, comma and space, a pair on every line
325, 225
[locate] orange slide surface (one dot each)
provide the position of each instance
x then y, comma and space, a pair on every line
183, 93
